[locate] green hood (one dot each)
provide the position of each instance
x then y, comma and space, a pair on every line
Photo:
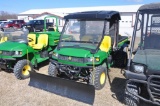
149, 57
76, 52
10, 46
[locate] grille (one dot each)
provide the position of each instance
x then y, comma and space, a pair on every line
6, 53
154, 87
73, 59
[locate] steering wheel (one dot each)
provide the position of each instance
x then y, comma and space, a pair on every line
93, 40
30, 39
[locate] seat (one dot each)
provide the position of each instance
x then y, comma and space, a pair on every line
106, 43
55, 29
51, 29
86, 38
32, 39
152, 41
3, 39
42, 42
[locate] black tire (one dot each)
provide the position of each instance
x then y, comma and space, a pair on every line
130, 99
120, 59
98, 78
22, 68
52, 70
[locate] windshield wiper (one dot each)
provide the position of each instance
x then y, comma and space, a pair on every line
81, 41
75, 46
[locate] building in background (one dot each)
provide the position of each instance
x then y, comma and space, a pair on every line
128, 13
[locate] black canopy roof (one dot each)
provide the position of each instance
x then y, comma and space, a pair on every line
152, 7
95, 15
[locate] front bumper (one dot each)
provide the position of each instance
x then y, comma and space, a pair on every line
5, 63
153, 88
72, 71
60, 64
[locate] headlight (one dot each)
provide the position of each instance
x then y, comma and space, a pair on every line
17, 53
138, 68
55, 54
90, 59
95, 59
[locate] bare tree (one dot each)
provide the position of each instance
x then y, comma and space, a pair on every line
6, 15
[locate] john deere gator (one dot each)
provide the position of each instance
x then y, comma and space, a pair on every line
93, 48
22, 51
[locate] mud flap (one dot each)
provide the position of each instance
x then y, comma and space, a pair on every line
64, 87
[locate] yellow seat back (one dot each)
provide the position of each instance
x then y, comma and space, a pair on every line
42, 41
106, 43
3, 39
55, 28
33, 38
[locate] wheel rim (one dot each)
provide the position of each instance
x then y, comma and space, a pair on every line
26, 69
102, 78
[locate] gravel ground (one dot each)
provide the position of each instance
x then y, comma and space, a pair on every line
15, 92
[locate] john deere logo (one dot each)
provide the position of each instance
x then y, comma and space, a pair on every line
69, 58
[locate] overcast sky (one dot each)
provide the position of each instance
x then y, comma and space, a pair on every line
18, 6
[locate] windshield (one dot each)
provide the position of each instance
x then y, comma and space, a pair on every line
82, 33
14, 36
147, 34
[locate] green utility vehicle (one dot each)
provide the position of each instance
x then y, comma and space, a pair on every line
143, 72
22, 51
92, 50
